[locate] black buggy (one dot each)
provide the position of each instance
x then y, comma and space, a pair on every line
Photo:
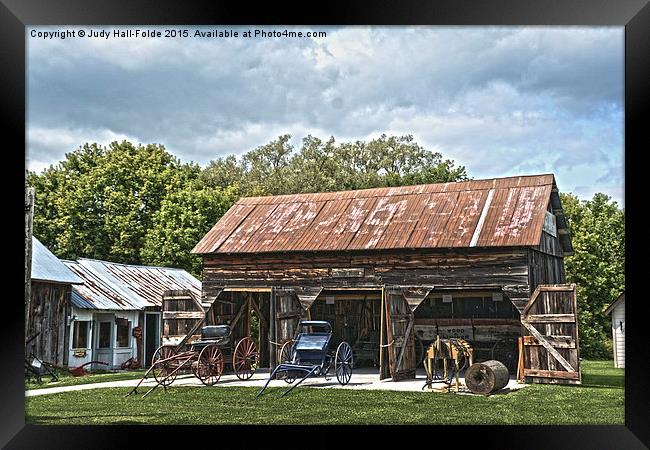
308, 355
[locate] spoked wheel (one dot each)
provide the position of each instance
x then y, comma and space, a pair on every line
245, 358
343, 363
163, 364
209, 366
286, 355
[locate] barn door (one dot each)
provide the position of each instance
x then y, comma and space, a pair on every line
398, 348
551, 351
288, 312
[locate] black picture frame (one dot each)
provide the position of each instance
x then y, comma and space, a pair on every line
634, 15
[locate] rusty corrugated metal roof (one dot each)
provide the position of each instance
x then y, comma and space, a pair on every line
477, 213
114, 286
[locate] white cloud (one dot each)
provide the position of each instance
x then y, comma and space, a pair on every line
51, 144
499, 100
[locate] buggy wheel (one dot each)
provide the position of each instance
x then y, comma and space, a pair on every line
163, 364
343, 363
209, 366
245, 358
286, 356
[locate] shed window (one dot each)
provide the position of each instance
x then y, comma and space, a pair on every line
123, 328
105, 334
80, 334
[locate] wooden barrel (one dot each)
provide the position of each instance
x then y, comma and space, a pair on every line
486, 377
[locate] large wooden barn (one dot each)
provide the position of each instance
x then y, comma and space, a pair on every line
391, 268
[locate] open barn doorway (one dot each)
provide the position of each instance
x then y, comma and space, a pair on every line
247, 311
487, 319
355, 316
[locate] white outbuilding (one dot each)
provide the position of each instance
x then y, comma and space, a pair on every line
617, 311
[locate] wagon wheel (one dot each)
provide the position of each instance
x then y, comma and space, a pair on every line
161, 370
209, 366
343, 363
245, 358
286, 355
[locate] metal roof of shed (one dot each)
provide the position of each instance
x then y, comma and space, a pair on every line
113, 286
47, 267
499, 212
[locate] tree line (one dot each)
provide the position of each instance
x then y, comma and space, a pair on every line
139, 204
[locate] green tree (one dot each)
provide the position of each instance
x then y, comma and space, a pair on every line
99, 202
393, 161
184, 217
321, 166
597, 267
266, 167
224, 172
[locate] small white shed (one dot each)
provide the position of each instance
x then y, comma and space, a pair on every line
617, 311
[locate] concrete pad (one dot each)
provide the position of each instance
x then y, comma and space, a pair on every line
362, 379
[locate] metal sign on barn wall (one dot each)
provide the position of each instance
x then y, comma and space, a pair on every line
549, 224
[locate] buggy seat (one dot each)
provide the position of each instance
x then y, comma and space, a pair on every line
311, 348
213, 334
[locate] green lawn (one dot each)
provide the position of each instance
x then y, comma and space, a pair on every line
66, 379
598, 401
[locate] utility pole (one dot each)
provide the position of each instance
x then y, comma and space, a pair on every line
29, 221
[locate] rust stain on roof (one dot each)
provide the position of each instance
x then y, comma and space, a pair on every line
422, 216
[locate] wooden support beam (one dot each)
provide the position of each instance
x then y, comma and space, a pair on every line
551, 318
29, 220
273, 337
183, 315
382, 368
238, 316
287, 315
389, 334
247, 289
555, 341
248, 314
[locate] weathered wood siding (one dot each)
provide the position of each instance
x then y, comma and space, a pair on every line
180, 313
502, 268
550, 245
50, 305
545, 268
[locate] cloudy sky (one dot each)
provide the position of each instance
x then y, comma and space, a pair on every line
501, 101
